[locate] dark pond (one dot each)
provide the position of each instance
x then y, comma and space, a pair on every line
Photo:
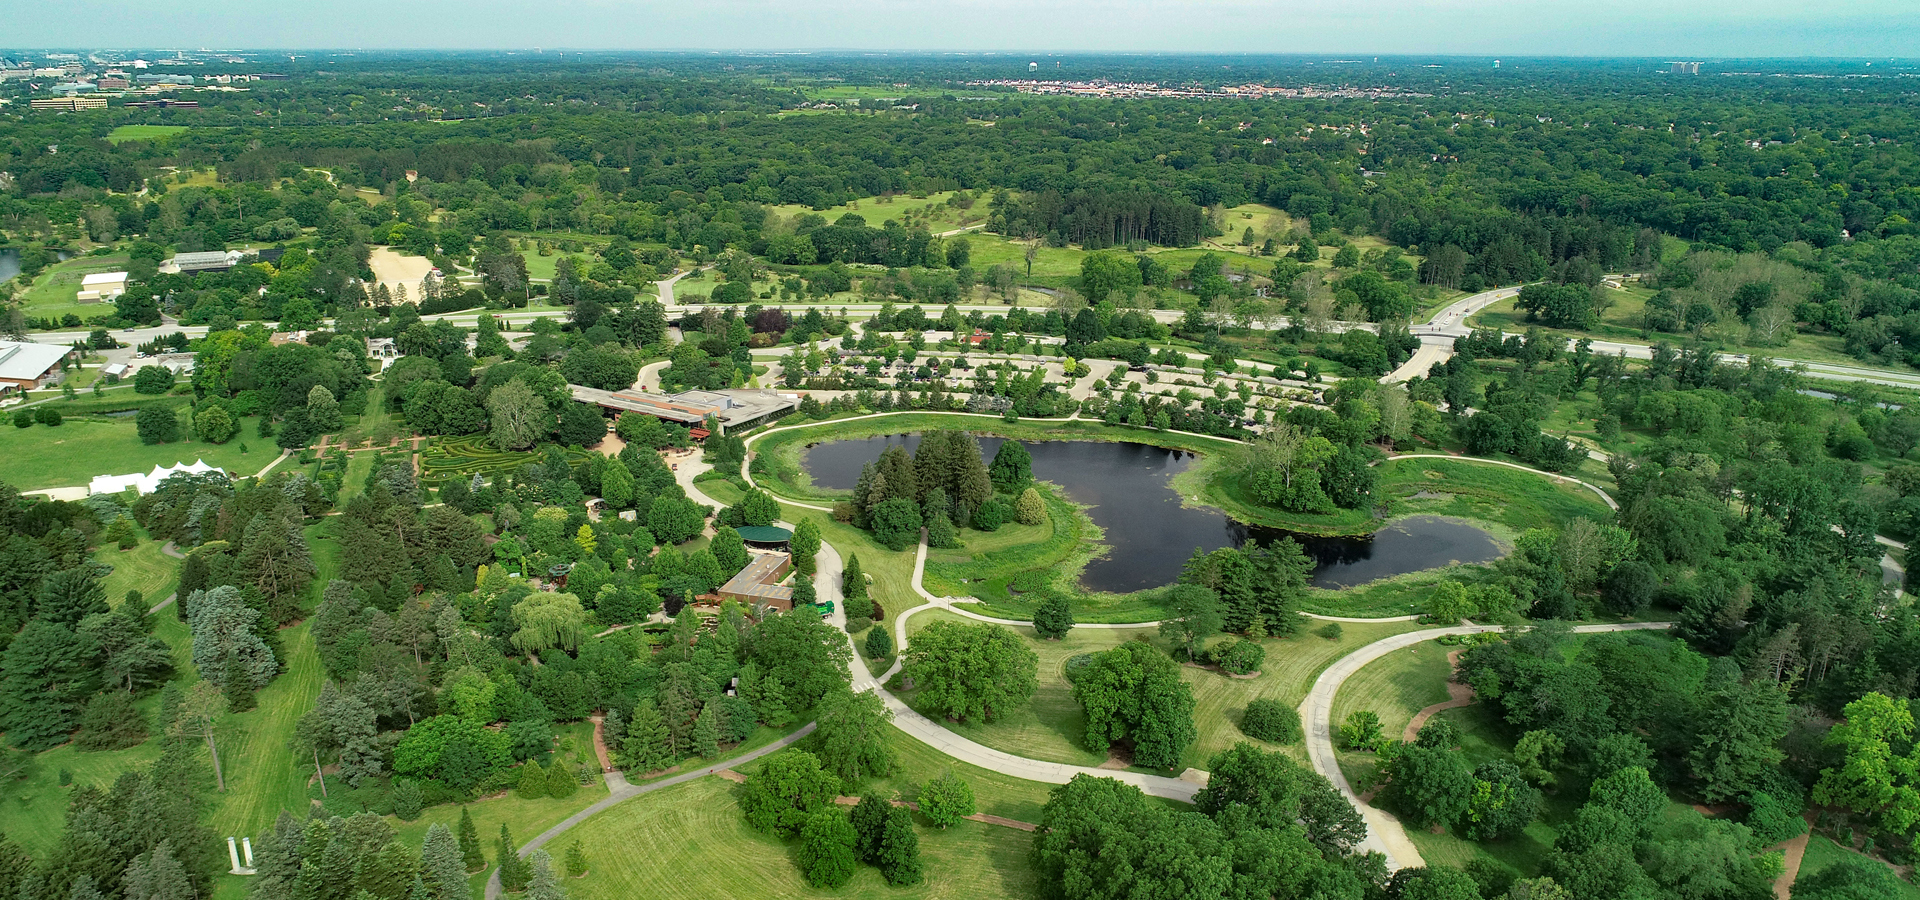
10, 262
1128, 491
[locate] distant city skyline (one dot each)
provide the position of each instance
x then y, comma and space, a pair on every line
1515, 28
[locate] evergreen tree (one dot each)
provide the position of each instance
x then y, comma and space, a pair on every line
728, 549
111, 722
869, 819
645, 748
533, 781
223, 627
576, 859
274, 560
1012, 467
131, 657
899, 852
514, 871
83, 889
853, 582
470, 853
827, 849
67, 596
560, 781
879, 642
805, 545
706, 731
46, 675
542, 882
441, 864
158, 875
941, 535
239, 687
1029, 509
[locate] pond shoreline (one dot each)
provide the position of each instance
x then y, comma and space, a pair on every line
1126, 490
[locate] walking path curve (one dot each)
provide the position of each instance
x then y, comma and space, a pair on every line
618, 790
1384, 832
1604, 496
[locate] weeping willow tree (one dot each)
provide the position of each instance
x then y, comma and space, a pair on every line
547, 620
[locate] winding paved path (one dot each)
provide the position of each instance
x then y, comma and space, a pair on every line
618, 790
1384, 832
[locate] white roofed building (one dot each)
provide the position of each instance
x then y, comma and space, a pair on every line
26, 366
102, 286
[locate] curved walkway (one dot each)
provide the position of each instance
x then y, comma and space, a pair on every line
1384, 832
618, 790
1603, 495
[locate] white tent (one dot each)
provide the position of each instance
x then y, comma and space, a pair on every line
146, 484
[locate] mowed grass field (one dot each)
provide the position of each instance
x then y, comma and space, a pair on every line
663, 846
938, 217
1052, 726
72, 453
55, 292
1823, 852
1396, 686
126, 133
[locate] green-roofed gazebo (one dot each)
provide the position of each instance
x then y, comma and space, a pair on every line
768, 536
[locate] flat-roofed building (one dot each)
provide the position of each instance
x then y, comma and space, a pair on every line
733, 409
26, 366
102, 286
760, 581
203, 261
68, 104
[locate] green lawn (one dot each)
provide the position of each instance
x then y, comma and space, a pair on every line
1396, 686
55, 291
996, 794
938, 217
1287, 674
1488, 494
263, 775
1622, 320
143, 132
144, 569
690, 841
71, 454
1052, 726
1823, 852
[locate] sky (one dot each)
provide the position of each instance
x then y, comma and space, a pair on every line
1654, 28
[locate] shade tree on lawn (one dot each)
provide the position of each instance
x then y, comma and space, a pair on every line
1133, 695
971, 671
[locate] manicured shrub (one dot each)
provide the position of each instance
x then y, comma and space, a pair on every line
1268, 719
1238, 657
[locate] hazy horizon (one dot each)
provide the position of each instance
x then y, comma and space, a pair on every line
1863, 29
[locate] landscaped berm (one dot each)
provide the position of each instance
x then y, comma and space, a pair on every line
945, 476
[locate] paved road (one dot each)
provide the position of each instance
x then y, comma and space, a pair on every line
1384, 832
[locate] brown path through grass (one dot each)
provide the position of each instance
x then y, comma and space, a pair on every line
1458, 695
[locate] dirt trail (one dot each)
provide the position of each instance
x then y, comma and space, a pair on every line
1458, 695
1796, 850
600, 743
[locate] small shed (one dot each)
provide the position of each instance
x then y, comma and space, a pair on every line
765, 537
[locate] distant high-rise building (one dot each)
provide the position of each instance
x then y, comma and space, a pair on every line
1496, 64
1683, 68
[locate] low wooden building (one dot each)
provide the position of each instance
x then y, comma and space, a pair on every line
760, 581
